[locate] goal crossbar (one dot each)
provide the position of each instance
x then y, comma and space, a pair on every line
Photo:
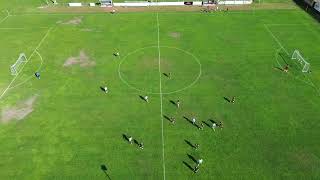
15, 67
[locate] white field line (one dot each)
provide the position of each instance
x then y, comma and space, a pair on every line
276, 39
279, 43
160, 93
34, 51
31, 76
8, 14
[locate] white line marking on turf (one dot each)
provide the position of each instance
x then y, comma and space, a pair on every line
276, 39
34, 51
31, 76
279, 43
160, 92
8, 14
170, 92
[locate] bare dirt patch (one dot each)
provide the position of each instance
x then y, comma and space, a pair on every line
73, 21
175, 35
83, 60
19, 111
303, 160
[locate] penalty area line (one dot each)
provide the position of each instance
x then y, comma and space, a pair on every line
32, 54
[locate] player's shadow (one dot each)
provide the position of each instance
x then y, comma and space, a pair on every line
167, 118
194, 124
174, 103
278, 68
102, 88
165, 74
212, 121
142, 98
125, 137
204, 122
283, 57
226, 99
136, 142
186, 118
188, 165
104, 170
192, 158
190, 144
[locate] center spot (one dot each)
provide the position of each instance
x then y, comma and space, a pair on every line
140, 70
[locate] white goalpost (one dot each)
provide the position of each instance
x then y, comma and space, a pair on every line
16, 66
297, 56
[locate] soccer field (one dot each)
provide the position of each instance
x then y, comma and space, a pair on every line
63, 126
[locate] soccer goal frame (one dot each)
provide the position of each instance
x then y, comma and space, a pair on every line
298, 57
16, 66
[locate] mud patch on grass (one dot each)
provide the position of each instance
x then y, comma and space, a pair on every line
83, 60
303, 160
19, 111
175, 35
73, 21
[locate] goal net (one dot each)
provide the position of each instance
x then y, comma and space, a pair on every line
17, 65
298, 57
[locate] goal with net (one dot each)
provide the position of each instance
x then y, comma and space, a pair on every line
17, 65
298, 57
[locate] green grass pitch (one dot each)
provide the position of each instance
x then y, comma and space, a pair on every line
70, 127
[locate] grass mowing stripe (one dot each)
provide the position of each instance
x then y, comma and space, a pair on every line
160, 93
34, 51
276, 39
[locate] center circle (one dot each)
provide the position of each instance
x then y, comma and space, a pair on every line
179, 69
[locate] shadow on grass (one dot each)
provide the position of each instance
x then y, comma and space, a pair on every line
192, 158
284, 57
189, 143
174, 103
102, 89
104, 170
165, 74
212, 121
227, 99
195, 124
167, 118
142, 98
136, 142
125, 137
278, 68
188, 165
206, 123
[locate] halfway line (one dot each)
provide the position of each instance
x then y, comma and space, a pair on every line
160, 93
